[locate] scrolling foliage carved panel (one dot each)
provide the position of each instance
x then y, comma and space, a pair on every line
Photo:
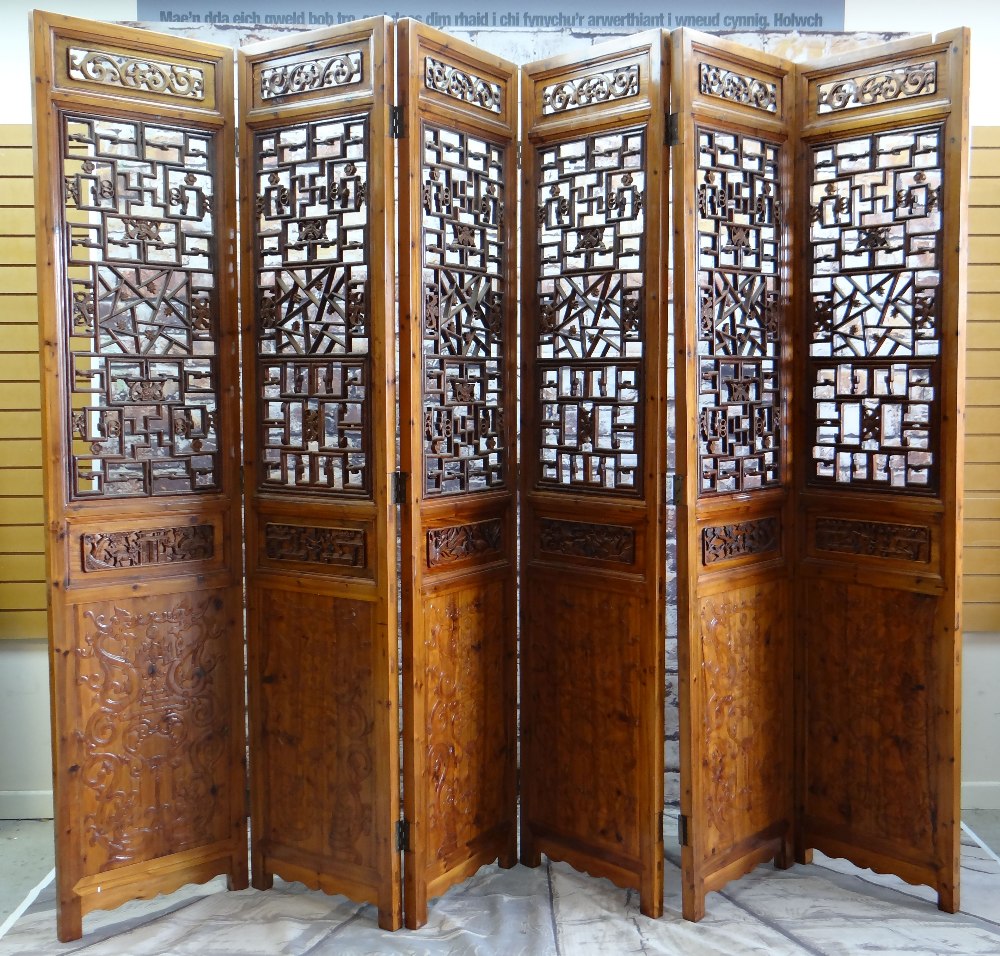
620, 83
893, 82
740, 306
591, 295
312, 249
110, 68
464, 260
152, 753
141, 324
874, 311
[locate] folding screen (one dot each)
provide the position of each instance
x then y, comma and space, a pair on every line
593, 446
818, 284
135, 178
320, 412
732, 184
882, 297
457, 279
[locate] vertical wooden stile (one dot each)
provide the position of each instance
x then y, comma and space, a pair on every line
135, 179
593, 377
458, 413
320, 409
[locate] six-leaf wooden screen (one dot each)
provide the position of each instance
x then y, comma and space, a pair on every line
815, 303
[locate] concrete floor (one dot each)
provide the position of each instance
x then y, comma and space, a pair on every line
27, 851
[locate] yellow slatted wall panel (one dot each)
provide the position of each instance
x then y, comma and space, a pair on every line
22, 545
22, 591
982, 395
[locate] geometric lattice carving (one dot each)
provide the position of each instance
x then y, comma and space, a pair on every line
740, 309
135, 73
460, 542
327, 72
728, 541
874, 539
738, 87
140, 250
580, 539
591, 293
292, 542
617, 84
467, 87
464, 342
895, 82
875, 243
105, 551
312, 255
153, 748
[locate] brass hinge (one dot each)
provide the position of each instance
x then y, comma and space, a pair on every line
403, 835
673, 131
682, 830
675, 489
396, 122
399, 487
519, 157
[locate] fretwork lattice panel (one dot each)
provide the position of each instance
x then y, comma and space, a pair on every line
312, 245
590, 306
875, 240
740, 309
142, 328
464, 259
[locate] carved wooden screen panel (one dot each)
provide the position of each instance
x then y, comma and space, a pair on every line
458, 202
318, 346
593, 440
135, 180
884, 161
732, 171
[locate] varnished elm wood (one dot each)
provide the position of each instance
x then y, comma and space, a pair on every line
878, 684
733, 533
457, 322
323, 668
592, 588
145, 632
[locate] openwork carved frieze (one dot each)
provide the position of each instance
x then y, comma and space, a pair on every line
153, 750
141, 316
874, 539
874, 308
740, 303
464, 261
740, 539
312, 268
464, 541
589, 321
617, 84
896, 82
309, 545
282, 80
737, 87
111, 550
462, 85
579, 539
135, 73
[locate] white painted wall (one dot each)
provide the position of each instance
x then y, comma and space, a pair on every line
25, 782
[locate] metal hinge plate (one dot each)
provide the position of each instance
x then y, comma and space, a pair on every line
396, 122
399, 487
682, 830
673, 131
402, 836
675, 489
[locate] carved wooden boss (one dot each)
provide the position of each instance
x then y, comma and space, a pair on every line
807, 342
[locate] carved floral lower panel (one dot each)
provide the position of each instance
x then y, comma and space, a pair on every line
466, 725
747, 718
317, 722
151, 749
